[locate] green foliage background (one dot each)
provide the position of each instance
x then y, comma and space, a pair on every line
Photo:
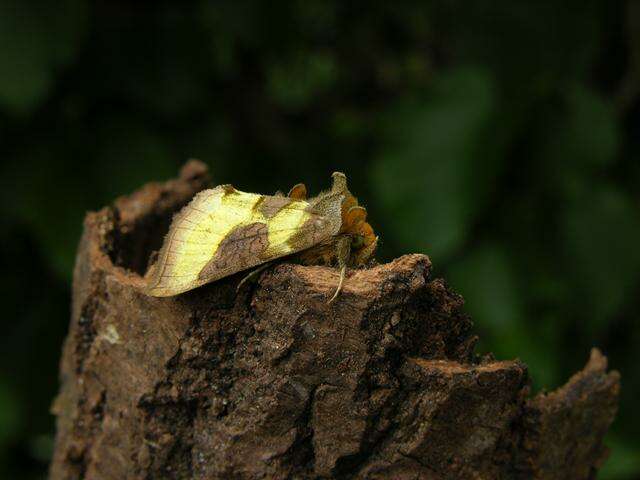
500, 138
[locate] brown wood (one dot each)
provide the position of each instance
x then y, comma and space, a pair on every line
271, 382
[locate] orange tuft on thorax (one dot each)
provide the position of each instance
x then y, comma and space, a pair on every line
354, 223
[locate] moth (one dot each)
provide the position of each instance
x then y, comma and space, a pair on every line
223, 231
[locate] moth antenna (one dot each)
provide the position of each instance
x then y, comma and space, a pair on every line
343, 272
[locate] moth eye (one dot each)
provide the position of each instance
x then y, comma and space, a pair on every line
357, 241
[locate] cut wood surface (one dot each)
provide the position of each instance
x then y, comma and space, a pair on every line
272, 382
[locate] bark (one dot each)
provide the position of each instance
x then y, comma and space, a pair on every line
272, 382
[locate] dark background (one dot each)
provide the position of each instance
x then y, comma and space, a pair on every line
500, 138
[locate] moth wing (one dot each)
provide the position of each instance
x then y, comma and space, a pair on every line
223, 231
187, 246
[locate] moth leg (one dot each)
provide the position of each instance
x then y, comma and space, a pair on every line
298, 192
253, 274
343, 250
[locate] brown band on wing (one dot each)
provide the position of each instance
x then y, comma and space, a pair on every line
270, 206
238, 250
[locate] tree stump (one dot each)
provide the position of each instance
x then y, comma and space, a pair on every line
271, 382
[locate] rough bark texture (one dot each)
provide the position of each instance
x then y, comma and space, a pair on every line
272, 382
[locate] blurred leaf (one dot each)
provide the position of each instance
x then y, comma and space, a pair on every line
129, 156
490, 286
601, 234
233, 26
10, 413
50, 198
629, 90
37, 39
623, 462
532, 47
161, 64
315, 17
591, 136
348, 124
173, 76
212, 142
295, 83
494, 296
581, 141
439, 162
53, 195
41, 447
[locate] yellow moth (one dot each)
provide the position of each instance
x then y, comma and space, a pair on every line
223, 231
